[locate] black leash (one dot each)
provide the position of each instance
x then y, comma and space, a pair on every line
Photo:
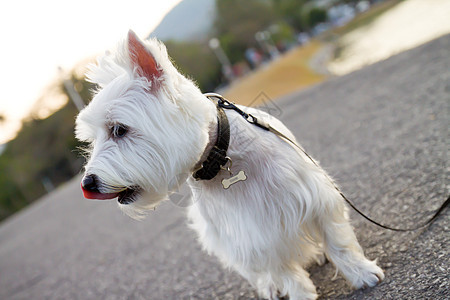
224, 103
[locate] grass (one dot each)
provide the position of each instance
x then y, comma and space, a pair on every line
289, 73
361, 20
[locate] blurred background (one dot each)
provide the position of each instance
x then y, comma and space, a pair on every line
250, 51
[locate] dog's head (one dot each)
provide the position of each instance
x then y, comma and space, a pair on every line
147, 126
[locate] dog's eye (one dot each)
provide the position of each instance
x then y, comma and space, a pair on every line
119, 130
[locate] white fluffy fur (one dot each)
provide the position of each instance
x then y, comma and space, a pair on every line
267, 228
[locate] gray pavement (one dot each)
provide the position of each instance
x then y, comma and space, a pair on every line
382, 132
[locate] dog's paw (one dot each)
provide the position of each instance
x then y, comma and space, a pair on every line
269, 293
321, 259
369, 275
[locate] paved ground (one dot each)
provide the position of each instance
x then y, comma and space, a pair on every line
382, 132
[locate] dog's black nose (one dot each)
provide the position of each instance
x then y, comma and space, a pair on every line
89, 183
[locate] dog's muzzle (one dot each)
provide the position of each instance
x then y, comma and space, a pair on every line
90, 188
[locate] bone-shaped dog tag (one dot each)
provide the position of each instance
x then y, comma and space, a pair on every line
232, 180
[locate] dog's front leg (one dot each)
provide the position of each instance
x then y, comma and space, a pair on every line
343, 249
287, 281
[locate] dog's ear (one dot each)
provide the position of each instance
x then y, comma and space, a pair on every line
141, 58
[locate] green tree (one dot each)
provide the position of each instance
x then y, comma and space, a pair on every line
314, 16
196, 61
44, 148
290, 11
237, 22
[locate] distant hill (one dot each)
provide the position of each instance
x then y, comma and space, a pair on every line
189, 20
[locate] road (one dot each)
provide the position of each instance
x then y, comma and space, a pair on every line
382, 132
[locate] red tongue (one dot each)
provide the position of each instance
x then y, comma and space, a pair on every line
96, 195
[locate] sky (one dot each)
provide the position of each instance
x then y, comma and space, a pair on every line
40, 36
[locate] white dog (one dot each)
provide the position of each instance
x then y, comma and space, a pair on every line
151, 128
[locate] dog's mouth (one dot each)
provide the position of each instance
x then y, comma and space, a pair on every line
127, 196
